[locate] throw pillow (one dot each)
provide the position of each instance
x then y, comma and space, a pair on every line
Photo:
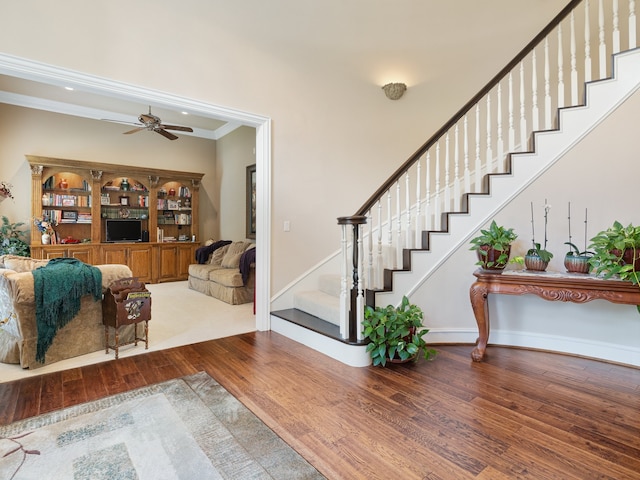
232, 257
218, 254
23, 264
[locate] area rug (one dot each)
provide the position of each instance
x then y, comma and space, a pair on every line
188, 428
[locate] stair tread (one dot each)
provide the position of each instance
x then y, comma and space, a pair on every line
309, 321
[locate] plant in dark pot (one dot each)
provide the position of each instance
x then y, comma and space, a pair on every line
493, 246
617, 252
537, 257
13, 239
395, 334
576, 261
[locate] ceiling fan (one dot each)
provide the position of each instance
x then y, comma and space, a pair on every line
152, 123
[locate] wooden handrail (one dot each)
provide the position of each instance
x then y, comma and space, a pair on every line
447, 126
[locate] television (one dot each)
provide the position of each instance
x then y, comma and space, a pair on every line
123, 230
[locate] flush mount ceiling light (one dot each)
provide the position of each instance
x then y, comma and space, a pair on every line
394, 91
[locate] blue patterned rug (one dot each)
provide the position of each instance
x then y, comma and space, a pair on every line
189, 428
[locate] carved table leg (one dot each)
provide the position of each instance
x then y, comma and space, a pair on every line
478, 293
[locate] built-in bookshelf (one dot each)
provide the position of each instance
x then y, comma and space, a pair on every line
79, 198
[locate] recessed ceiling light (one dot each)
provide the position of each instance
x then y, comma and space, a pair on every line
185, 113
69, 88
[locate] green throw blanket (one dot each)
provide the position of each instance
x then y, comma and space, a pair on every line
58, 287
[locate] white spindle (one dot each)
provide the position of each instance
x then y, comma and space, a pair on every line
427, 209
398, 226
632, 24
535, 113
560, 69
616, 28
602, 50
436, 206
408, 239
478, 166
391, 259
512, 130
488, 160
574, 62
499, 140
379, 260
344, 305
523, 118
360, 288
447, 167
419, 229
370, 271
456, 171
547, 86
467, 173
587, 43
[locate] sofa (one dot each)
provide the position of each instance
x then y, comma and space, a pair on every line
18, 329
227, 273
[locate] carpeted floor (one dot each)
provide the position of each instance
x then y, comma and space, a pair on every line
179, 316
188, 428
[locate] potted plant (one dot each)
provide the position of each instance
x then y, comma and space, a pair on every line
395, 334
493, 246
537, 258
13, 239
616, 252
576, 261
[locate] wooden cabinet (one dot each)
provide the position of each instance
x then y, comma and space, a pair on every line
175, 259
81, 197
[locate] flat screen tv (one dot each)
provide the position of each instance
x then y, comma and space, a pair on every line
123, 230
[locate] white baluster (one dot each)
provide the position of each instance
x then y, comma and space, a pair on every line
344, 305
379, 259
489, 152
478, 167
616, 28
436, 207
632, 24
499, 141
398, 227
447, 164
574, 63
427, 210
360, 289
560, 69
587, 43
419, 229
408, 238
602, 51
467, 173
535, 113
370, 272
512, 130
456, 171
547, 86
523, 119
391, 260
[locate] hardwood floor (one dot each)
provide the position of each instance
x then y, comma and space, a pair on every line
520, 414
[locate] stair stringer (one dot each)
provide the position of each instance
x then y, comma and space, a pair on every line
602, 97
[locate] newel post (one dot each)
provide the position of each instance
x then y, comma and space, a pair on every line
352, 304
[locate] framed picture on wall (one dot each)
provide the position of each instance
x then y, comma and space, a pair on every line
251, 201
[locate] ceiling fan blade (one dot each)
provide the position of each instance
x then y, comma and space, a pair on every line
135, 130
176, 127
166, 134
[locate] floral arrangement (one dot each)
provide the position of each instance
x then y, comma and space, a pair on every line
5, 189
536, 249
44, 225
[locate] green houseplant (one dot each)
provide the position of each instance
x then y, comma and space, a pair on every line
13, 239
616, 251
493, 246
576, 261
395, 334
538, 257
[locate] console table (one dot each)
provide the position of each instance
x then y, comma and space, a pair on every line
552, 286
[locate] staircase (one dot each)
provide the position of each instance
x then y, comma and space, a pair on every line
406, 239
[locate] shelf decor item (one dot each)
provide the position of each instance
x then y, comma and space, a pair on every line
576, 261
538, 258
63, 183
124, 185
5, 190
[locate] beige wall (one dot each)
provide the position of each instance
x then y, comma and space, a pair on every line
33, 132
336, 137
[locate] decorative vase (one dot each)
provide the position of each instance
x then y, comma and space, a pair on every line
124, 184
492, 257
534, 262
63, 183
46, 239
576, 263
172, 192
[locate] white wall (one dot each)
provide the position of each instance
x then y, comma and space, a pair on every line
599, 174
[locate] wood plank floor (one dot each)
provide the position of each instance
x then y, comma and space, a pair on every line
520, 414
